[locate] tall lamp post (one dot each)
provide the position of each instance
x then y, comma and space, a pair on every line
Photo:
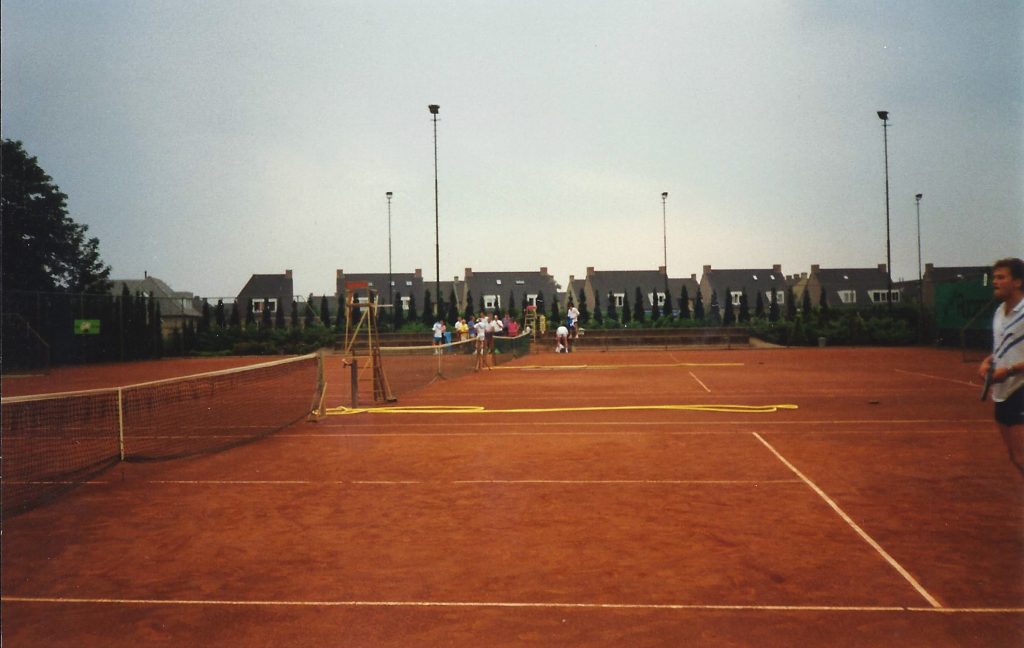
884, 116
434, 108
391, 283
664, 240
920, 277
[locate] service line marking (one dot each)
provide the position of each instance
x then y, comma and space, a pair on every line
958, 382
861, 532
516, 604
700, 382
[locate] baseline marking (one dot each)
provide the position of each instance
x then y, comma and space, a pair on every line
342, 410
700, 382
616, 366
513, 482
958, 382
506, 604
863, 534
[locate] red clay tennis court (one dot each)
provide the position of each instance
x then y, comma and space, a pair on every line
813, 497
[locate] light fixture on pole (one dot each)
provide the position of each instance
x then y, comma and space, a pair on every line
664, 239
391, 283
884, 116
434, 108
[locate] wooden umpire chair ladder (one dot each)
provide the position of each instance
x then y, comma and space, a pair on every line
361, 316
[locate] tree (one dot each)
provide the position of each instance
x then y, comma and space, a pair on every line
556, 314
309, 315
325, 311
398, 316
235, 319
730, 316
204, 321
453, 308
43, 248
759, 306
218, 313
638, 306
295, 314
790, 304
512, 305
806, 306
666, 308
539, 302
773, 309
266, 318
598, 315
428, 309
250, 314
627, 313
412, 315
714, 311
655, 310
279, 317
584, 312
684, 303
823, 300
744, 307
612, 315
698, 307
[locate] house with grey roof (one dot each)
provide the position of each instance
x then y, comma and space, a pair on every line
733, 284
499, 291
854, 287
620, 286
675, 288
177, 308
266, 292
398, 288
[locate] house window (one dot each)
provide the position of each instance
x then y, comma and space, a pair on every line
848, 296
408, 283
405, 304
272, 305
531, 300
492, 301
619, 299
257, 306
370, 284
497, 281
520, 282
780, 296
878, 296
736, 295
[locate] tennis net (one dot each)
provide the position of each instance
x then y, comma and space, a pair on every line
411, 368
54, 442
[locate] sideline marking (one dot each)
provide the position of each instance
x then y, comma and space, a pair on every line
505, 604
861, 532
915, 373
700, 382
342, 410
513, 482
666, 365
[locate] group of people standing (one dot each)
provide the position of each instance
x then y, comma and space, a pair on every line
482, 330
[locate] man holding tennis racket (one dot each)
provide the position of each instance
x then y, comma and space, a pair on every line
1004, 369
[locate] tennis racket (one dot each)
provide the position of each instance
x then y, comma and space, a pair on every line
988, 381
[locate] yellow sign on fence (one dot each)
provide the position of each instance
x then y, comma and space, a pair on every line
87, 327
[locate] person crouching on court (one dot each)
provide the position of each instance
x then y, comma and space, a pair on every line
562, 339
1007, 359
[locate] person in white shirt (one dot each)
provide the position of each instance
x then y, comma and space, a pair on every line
438, 329
574, 316
1005, 367
561, 339
480, 329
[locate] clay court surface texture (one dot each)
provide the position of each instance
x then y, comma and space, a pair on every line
777, 497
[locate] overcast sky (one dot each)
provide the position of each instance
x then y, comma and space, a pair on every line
207, 141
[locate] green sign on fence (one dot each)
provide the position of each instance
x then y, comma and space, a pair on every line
87, 327
965, 304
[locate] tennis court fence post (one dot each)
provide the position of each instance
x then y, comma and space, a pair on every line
120, 421
355, 382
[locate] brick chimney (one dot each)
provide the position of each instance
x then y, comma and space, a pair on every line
288, 274
929, 267
468, 273
418, 273
815, 268
707, 269
777, 268
590, 270
662, 270
693, 275
881, 267
543, 270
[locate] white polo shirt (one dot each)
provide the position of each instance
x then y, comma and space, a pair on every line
1008, 348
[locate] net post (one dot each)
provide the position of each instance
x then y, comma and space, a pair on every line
316, 410
120, 422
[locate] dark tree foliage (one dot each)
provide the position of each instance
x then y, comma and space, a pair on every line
309, 315
627, 313
698, 307
666, 309
655, 309
598, 314
266, 317
43, 248
729, 318
823, 300
156, 328
584, 311
218, 314
512, 312
204, 321
759, 306
325, 311
638, 305
235, 319
790, 304
714, 314
525, 304
556, 314
744, 307
279, 317
250, 314
684, 303
773, 309
428, 309
397, 316
453, 308
412, 314
295, 314
806, 306
539, 303
612, 315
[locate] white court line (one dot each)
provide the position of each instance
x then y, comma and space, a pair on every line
378, 482
863, 534
958, 382
699, 382
513, 604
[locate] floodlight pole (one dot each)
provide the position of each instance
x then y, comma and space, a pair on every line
664, 239
391, 283
920, 276
434, 108
884, 116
